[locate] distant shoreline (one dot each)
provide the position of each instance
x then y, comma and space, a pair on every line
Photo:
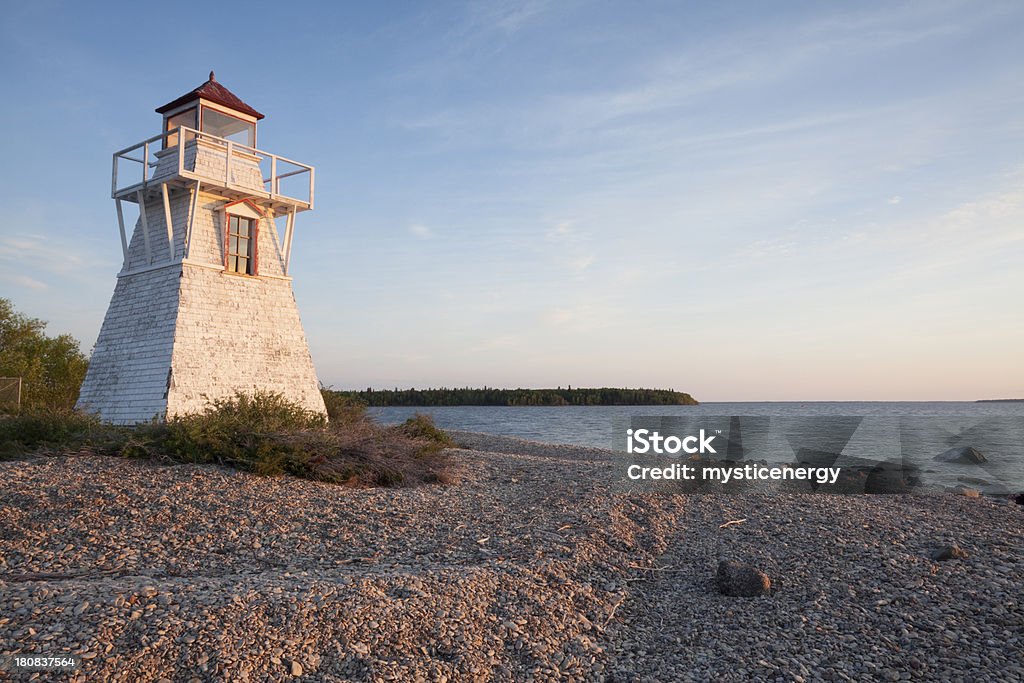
1000, 400
444, 397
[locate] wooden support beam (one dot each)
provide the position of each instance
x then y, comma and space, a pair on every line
124, 237
145, 164
141, 197
289, 229
227, 163
167, 219
312, 185
193, 205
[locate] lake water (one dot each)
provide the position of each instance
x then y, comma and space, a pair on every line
604, 427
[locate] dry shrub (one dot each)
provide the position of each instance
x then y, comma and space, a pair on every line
263, 433
33, 429
266, 434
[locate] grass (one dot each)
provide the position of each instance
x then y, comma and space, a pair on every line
261, 433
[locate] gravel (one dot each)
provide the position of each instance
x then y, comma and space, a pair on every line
537, 566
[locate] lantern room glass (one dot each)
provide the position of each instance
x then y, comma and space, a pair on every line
230, 127
186, 118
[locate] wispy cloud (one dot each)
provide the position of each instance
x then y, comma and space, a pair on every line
583, 262
32, 251
506, 16
420, 231
494, 343
24, 281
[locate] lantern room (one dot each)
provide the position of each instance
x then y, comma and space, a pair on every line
213, 109
207, 142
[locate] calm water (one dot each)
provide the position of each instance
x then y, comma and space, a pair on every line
603, 426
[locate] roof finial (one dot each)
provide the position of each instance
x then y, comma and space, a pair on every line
212, 77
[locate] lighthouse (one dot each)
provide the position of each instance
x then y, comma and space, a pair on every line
203, 305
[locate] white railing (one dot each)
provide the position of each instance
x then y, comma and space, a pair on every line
144, 154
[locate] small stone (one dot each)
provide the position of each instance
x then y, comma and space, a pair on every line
949, 552
295, 668
740, 580
964, 454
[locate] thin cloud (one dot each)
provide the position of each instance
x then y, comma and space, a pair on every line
581, 263
420, 231
25, 281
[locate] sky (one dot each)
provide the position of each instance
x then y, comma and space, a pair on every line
741, 200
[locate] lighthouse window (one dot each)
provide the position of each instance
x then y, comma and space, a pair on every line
241, 246
186, 118
230, 127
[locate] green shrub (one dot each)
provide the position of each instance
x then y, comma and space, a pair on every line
263, 433
243, 431
342, 409
422, 427
32, 429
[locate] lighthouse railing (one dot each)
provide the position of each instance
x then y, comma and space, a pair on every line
135, 168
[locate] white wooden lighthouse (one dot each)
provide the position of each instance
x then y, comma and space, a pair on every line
203, 307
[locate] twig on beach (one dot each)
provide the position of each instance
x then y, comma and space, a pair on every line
732, 522
633, 565
549, 533
610, 616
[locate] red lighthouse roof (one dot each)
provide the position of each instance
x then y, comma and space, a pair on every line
212, 91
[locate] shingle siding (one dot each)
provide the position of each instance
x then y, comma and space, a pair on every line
178, 336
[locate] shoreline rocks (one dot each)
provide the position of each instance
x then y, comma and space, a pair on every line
736, 579
537, 566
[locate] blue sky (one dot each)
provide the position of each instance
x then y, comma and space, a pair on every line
746, 201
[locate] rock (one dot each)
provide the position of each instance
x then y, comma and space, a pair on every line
1019, 499
886, 479
966, 491
295, 668
949, 552
740, 580
850, 480
962, 454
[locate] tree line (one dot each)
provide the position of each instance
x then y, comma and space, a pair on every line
487, 396
51, 368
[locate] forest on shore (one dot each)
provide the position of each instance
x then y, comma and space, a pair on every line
517, 397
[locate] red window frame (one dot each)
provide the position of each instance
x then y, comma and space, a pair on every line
231, 256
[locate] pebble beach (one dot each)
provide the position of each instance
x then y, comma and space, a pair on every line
536, 566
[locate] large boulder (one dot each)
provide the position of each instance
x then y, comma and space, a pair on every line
887, 478
962, 454
741, 580
949, 552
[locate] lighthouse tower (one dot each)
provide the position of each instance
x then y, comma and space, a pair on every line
203, 306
